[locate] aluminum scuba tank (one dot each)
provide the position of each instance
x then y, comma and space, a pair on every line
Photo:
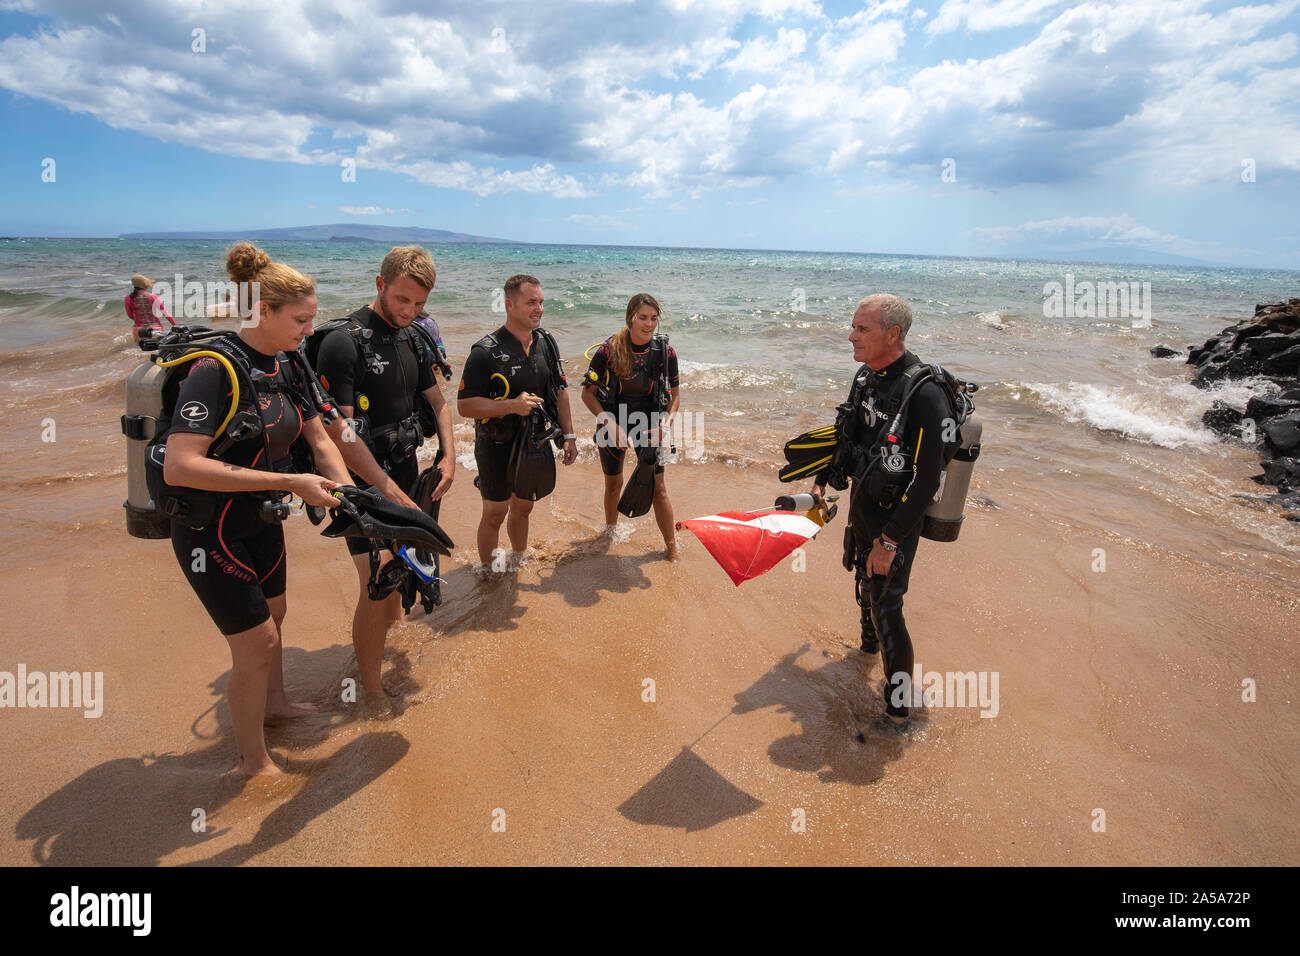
942, 520
144, 406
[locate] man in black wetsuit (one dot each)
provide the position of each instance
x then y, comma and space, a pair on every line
507, 375
375, 368
893, 482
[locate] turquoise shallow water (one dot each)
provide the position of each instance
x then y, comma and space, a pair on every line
1081, 423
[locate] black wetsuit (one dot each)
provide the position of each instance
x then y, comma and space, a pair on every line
629, 397
895, 508
237, 562
538, 372
384, 397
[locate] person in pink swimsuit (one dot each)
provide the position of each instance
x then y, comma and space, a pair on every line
144, 308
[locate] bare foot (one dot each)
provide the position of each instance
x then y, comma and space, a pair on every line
287, 710
267, 769
374, 706
670, 553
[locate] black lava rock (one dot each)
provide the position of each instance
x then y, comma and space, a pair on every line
1283, 472
1260, 408
1222, 418
1282, 434
1285, 363
1243, 364
1164, 351
1272, 342
1265, 346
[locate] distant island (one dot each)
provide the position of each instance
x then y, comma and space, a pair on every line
341, 231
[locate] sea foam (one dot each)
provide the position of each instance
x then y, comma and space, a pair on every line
1164, 414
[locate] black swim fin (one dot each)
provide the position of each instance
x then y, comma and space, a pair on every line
365, 513
532, 460
810, 453
639, 493
428, 593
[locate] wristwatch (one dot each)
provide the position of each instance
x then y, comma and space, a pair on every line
570, 437
891, 548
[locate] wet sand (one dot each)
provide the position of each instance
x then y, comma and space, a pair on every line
521, 700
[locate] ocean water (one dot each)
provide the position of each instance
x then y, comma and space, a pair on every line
1082, 426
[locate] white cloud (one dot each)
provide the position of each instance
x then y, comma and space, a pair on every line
766, 54
660, 97
1116, 230
867, 39
1080, 233
372, 211
600, 221
981, 15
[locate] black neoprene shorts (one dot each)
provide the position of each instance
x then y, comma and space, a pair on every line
240, 564
493, 459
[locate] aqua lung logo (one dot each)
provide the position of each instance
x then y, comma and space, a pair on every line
158, 454
194, 412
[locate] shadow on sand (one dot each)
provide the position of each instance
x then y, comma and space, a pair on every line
137, 811
844, 735
843, 738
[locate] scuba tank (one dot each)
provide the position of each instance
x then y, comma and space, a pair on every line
942, 520
144, 407
151, 391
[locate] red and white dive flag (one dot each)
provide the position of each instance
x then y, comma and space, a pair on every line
750, 543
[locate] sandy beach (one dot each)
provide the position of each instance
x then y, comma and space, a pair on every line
522, 734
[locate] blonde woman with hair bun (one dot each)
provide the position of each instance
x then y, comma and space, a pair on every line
235, 561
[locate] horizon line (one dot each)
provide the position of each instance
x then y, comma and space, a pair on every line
1198, 264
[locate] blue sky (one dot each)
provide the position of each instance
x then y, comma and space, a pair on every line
782, 124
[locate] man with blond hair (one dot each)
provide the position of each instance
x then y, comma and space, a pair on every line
381, 369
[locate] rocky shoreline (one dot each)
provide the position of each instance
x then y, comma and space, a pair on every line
1265, 347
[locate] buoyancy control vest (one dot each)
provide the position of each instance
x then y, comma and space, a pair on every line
606, 387
872, 450
501, 429
151, 394
394, 442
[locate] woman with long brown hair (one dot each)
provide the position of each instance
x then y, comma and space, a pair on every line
632, 389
